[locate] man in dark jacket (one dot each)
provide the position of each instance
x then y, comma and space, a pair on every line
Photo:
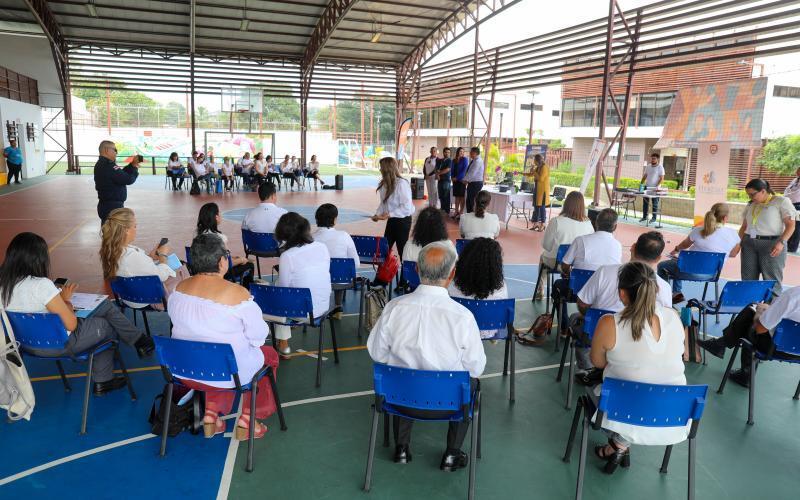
111, 180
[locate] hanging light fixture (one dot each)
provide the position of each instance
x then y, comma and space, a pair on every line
245, 22
92, 9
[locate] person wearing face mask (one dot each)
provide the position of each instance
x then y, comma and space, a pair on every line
111, 180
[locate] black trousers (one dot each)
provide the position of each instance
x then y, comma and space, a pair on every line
13, 171
397, 232
456, 431
105, 207
473, 188
444, 188
794, 239
742, 328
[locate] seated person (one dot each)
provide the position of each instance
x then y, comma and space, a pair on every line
208, 221
600, 292
200, 171
312, 172
480, 224
119, 257
562, 230
712, 236
641, 343
175, 171
259, 168
287, 169
207, 308
26, 288
297, 169
273, 172
340, 244
244, 168
304, 263
479, 275
756, 323
264, 217
227, 173
427, 330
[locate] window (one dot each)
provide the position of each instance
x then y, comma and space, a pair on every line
497, 104
578, 112
632, 158
784, 91
655, 108
536, 107
556, 112
568, 113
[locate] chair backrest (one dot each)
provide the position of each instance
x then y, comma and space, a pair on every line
651, 405
367, 248
559, 193
139, 289
343, 271
702, 265
461, 243
494, 314
590, 320
38, 330
422, 389
787, 337
742, 293
283, 301
206, 361
561, 252
410, 274
578, 278
258, 242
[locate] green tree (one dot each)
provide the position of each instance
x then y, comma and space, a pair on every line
556, 144
782, 155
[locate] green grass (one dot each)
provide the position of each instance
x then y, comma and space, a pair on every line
329, 169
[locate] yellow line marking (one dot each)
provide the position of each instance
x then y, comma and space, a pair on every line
72, 231
306, 353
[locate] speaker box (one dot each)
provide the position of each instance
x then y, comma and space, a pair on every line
339, 182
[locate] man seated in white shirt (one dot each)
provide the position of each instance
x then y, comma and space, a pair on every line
756, 323
602, 292
264, 217
427, 330
340, 244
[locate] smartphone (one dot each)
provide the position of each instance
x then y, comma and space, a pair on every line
163, 242
60, 282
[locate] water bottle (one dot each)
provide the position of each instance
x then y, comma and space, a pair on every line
686, 316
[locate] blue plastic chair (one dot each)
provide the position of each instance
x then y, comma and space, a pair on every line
641, 404
410, 274
703, 267
262, 245
293, 304
497, 314
209, 362
371, 249
590, 320
577, 279
461, 243
398, 388
38, 333
560, 253
786, 340
141, 290
343, 278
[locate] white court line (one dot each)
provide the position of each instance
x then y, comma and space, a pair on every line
51, 179
230, 459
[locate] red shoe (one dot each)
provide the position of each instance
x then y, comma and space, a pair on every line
243, 428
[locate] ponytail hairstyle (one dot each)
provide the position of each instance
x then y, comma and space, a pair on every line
114, 231
713, 218
481, 202
639, 281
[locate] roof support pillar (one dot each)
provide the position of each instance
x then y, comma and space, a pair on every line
474, 98
626, 108
191, 101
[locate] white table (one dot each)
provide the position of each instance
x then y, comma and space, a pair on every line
504, 205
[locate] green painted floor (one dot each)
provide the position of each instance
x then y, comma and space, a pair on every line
323, 453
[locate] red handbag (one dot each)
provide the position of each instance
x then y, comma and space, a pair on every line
387, 270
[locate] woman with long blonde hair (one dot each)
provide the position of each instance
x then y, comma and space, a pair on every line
395, 207
119, 257
711, 236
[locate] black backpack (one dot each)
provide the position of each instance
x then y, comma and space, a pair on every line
195, 190
181, 417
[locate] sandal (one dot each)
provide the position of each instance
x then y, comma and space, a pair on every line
212, 424
615, 458
243, 428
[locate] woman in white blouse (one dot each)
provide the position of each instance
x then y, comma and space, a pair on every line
175, 171
119, 257
340, 244
208, 221
227, 173
207, 308
304, 263
260, 168
273, 172
312, 172
287, 170
480, 224
479, 275
641, 343
562, 230
395, 206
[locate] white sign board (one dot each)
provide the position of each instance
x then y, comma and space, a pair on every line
591, 166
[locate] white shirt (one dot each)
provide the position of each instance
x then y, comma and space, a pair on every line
792, 191
430, 166
602, 290
263, 218
245, 164
652, 174
723, 240
198, 168
768, 216
496, 295
411, 250
594, 250
427, 330
786, 306
261, 167
213, 167
287, 167
313, 165
227, 169
308, 266
474, 170
218, 235
473, 226
563, 230
340, 244
399, 204
31, 295
136, 262
174, 164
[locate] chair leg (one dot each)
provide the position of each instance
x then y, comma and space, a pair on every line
555, 313
692, 459
251, 438
277, 398
572, 431
86, 391
564, 353
146, 323
704, 325
387, 423
665, 460
571, 375
582, 460
319, 354
67, 387
258, 266
797, 392
705, 290
752, 390
505, 354
361, 309
480, 432
333, 340
371, 452
473, 449
165, 424
125, 373
512, 396
272, 335
538, 280
728, 369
